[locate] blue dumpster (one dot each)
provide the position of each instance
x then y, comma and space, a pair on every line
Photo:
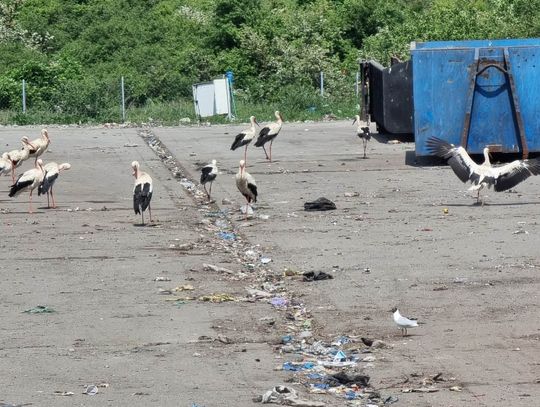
478, 93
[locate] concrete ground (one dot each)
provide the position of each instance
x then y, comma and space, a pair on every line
470, 275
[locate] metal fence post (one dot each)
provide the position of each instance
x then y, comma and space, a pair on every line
24, 96
322, 83
123, 100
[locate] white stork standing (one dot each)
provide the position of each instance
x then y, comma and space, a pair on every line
245, 136
38, 146
142, 192
246, 185
17, 157
485, 175
5, 164
28, 181
208, 174
362, 132
268, 133
52, 171
403, 322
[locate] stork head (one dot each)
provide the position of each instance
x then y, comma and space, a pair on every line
135, 166
393, 310
214, 162
64, 166
242, 166
39, 164
278, 115
5, 156
356, 119
26, 142
45, 134
254, 121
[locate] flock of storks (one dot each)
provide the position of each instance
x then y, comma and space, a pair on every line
43, 177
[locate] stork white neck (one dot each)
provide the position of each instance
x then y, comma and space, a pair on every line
486, 156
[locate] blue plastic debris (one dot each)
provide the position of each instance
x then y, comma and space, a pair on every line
350, 395
286, 339
226, 236
322, 386
296, 367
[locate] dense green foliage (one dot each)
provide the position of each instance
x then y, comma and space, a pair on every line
72, 53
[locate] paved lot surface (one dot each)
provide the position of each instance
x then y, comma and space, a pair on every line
470, 275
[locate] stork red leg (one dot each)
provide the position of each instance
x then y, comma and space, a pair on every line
30, 202
245, 154
271, 150
265, 152
150, 212
53, 202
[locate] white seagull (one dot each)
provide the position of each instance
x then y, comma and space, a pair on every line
362, 132
246, 185
245, 136
403, 322
38, 146
208, 174
28, 181
268, 133
500, 178
142, 191
52, 171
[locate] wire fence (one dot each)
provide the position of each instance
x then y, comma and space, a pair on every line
70, 101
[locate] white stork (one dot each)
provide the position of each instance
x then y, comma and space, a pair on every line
142, 191
52, 171
362, 132
28, 181
245, 136
246, 185
485, 175
5, 164
17, 157
268, 133
403, 322
208, 174
38, 146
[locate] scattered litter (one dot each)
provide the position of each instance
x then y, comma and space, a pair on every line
519, 232
160, 278
185, 287
351, 194
390, 400
320, 204
91, 390
226, 201
445, 211
316, 275
441, 288
40, 309
131, 145
421, 390
217, 298
266, 260
63, 393
349, 379
223, 339
296, 367
286, 396
247, 208
286, 339
226, 235
264, 217
258, 293
211, 267
393, 142
455, 388
279, 302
